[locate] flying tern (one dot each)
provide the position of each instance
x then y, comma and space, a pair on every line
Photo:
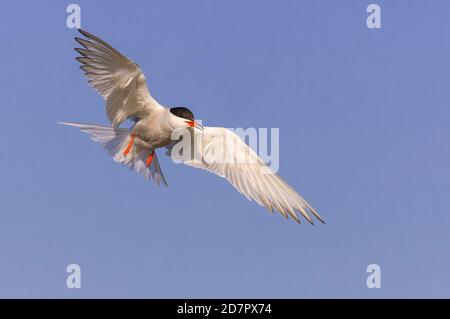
123, 86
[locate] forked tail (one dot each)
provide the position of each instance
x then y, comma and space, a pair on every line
115, 141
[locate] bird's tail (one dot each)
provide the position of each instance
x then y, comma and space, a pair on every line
115, 141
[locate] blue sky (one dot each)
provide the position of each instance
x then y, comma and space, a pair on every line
364, 128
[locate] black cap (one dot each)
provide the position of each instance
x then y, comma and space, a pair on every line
182, 112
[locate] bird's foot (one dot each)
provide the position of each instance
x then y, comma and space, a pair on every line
129, 146
150, 158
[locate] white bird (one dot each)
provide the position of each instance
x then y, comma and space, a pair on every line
122, 84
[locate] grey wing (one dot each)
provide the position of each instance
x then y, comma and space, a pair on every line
245, 170
118, 79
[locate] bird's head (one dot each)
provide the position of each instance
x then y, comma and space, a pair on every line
183, 117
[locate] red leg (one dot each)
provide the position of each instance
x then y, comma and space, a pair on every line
130, 145
150, 158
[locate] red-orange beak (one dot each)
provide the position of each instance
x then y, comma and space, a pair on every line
194, 124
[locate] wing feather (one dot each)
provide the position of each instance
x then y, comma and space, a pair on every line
248, 174
118, 79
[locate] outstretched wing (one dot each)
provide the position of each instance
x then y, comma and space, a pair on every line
222, 152
118, 79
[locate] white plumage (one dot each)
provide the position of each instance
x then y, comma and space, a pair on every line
123, 86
